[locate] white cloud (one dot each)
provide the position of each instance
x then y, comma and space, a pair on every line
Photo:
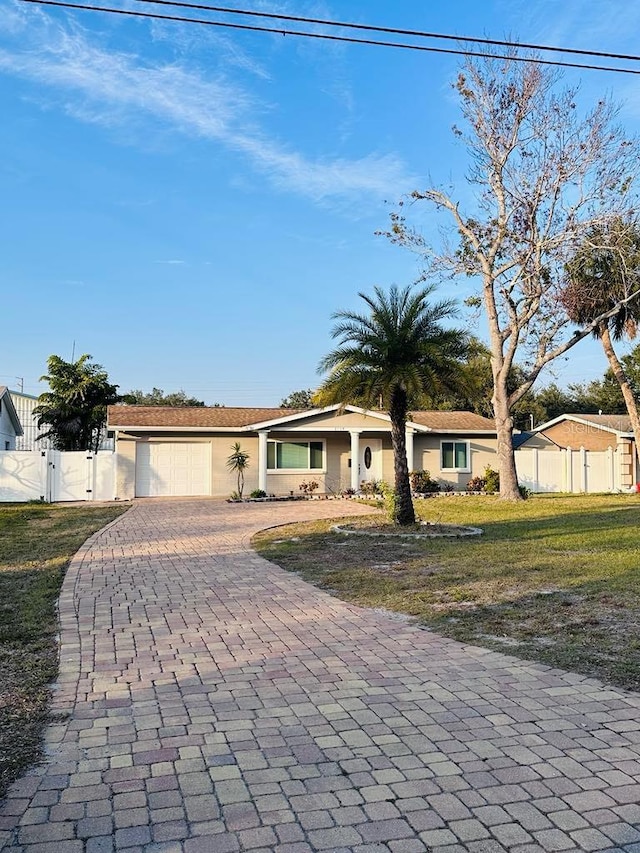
117, 89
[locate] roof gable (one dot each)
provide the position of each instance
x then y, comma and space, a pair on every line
616, 424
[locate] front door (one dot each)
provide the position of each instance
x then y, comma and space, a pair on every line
370, 462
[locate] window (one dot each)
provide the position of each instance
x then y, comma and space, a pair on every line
295, 455
454, 456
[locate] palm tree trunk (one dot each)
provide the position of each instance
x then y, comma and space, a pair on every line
625, 387
403, 514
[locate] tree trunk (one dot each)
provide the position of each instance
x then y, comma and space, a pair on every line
627, 393
403, 513
509, 490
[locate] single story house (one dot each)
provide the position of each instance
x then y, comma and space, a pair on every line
170, 451
590, 432
10, 427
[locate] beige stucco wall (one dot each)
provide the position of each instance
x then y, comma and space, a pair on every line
330, 481
427, 457
224, 482
333, 480
125, 469
575, 435
331, 421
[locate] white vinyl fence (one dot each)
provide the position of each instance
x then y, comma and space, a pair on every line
52, 475
569, 470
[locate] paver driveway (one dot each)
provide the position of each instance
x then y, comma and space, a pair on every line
218, 704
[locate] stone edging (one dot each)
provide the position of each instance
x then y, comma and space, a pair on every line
464, 533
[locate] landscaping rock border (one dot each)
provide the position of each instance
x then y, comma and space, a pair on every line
460, 533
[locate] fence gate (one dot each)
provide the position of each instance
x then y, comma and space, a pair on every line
70, 475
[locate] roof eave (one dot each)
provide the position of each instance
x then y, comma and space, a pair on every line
11, 409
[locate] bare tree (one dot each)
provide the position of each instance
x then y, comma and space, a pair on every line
544, 174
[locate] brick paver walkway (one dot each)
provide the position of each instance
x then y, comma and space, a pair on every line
217, 704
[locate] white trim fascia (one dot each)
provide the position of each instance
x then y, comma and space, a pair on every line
204, 429
464, 431
585, 421
420, 428
312, 413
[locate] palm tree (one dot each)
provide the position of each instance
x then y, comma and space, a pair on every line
238, 462
393, 354
604, 272
75, 407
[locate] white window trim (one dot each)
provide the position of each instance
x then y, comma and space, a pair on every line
300, 440
454, 441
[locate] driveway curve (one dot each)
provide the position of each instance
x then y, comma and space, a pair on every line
212, 703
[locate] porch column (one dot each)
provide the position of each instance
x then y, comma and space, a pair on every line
409, 442
355, 459
262, 460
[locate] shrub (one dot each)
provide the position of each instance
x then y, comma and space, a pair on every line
389, 501
422, 483
373, 487
491, 480
476, 484
308, 488
524, 492
258, 493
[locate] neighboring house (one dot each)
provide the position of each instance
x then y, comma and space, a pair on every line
24, 405
165, 451
10, 428
590, 432
30, 440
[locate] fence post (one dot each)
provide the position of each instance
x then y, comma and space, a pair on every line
535, 472
569, 469
583, 470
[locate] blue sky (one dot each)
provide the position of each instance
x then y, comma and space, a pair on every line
190, 205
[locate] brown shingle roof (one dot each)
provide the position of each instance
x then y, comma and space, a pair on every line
222, 417
453, 421
196, 416
620, 423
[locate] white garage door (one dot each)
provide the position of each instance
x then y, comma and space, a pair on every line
172, 469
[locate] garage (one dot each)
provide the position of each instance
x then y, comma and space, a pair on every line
173, 469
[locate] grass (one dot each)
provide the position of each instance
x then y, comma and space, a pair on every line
36, 543
554, 579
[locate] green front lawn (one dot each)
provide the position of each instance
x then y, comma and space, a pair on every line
36, 543
553, 579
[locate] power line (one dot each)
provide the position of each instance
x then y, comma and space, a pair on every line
393, 30
332, 38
